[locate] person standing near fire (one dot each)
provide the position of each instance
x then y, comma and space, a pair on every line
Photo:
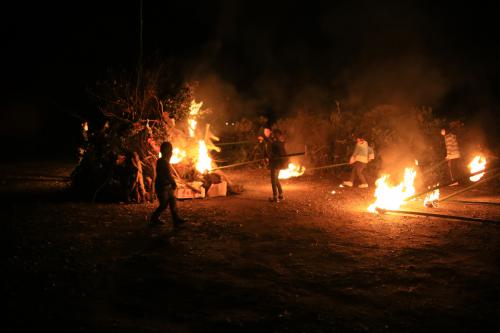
260, 152
453, 156
362, 154
277, 161
165, 186
136, 185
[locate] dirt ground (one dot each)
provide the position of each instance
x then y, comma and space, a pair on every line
316, 262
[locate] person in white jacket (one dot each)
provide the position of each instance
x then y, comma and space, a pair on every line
362, 154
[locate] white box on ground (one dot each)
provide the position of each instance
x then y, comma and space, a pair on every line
218, 190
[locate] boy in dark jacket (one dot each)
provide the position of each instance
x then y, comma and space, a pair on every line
277, 161
165, 186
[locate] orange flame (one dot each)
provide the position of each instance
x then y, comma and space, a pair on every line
292, 171
478, 163
431, 198
392, 197
193, 113
204, 162
177, 156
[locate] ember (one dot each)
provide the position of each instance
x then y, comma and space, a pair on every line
392, 197
478, 163
292, 171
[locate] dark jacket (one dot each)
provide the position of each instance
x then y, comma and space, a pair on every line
267, 147
277, 159
164, 177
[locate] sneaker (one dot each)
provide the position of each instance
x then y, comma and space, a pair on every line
348, 184
274, 199
363, 186
178, 222
281, 197
153, 223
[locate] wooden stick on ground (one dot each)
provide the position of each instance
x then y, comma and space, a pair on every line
469, 202
437, 187
470, 187
454, 217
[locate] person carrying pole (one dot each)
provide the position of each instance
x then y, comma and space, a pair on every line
277, 161
362, 154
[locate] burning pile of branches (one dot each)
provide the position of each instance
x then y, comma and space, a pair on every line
118, 155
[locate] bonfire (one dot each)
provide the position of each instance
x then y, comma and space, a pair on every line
106, 168
392, 197
477, 164
292, 171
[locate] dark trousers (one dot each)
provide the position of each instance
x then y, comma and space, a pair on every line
167, 198
357, 170
275, 182
456, 169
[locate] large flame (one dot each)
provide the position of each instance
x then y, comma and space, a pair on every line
292, 171
177, 155
478, 163
392, 197
193, 113
204, 162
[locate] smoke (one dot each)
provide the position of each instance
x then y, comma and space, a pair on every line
278, 60
407, 81
224, 102
364, 56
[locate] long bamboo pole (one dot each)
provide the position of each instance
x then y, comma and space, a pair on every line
468, 202
434, 167
437, 187
238, 164
470, 187
454, 217
254, 161
327, 166
235, 143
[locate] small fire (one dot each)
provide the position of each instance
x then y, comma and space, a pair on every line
177, 156
204, 162
432, 199
292, 171
193, 113
478, 163
392, 197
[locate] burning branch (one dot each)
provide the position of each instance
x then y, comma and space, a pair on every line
478, 163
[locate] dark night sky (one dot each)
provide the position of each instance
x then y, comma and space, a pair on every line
360, 52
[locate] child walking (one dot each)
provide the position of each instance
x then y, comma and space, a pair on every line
165, 186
